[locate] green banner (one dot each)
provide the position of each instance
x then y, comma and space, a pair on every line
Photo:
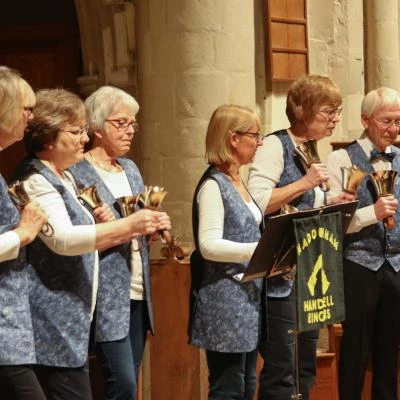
319, 271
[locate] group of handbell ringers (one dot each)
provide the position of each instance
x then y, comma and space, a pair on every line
79, 262
80, 265
234, 321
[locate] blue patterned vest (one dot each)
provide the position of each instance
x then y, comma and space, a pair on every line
113, 301
226, 312
60, 288
374, 244
292, 172
16, 334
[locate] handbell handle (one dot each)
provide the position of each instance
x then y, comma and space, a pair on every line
325, 186
389, 222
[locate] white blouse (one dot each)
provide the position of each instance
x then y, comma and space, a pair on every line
211, 227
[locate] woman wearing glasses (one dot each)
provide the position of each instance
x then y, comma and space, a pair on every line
17, 349
124, 308
313, 108
63, 269
226, 229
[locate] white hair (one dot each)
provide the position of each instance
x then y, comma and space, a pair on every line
378, 98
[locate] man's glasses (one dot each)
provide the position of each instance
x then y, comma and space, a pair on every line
78, 132
123, 124
387, 122
332, 113
257, 136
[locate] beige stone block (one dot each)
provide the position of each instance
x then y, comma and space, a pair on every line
238, 17
195, 15
320, 20
182, 175
318, 56
148, 140
383, 11
193, 50
355, 83
240, 57
352, 108
157, 97
242, 89
199, 94
183, 138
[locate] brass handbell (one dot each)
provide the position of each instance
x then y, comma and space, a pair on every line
90, 197
351, 178
18, 194
152, 198
20, 198
127, 205
384, 186
308, 153
288, 209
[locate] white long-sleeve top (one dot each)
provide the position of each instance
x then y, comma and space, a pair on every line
9, 246
68, 239
266, 170
340, 158
211, 227
118, 184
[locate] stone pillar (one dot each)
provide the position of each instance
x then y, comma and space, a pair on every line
382, 35
192, 57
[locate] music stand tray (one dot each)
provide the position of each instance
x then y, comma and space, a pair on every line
275, 253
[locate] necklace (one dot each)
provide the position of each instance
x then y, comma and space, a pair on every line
113, 168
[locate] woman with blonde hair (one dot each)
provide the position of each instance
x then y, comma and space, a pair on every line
17, 350
226, 228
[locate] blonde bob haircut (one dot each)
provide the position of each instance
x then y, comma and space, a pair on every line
225, 120
379, 98
307, 94
55, 108
15, 94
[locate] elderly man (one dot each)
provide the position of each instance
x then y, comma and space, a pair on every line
371, 254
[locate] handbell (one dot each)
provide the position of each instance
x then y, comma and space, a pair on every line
308, 153
351, 178
152, 198
127, 205
90, 197
288, 209
20, 198
383, 182
18, 194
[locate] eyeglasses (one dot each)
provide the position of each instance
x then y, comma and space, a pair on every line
387, 122
258, 137
124, 124
78, 132
332, 113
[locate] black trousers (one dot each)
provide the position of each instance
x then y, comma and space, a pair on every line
232, 376
19, 382
65, 383
278, 350
371, 329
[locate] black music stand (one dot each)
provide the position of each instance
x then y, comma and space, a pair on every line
275, 253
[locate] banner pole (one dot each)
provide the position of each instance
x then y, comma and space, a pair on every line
297, 395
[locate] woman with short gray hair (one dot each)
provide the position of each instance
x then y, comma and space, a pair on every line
124, 307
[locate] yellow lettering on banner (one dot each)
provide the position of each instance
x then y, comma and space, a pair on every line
322, 233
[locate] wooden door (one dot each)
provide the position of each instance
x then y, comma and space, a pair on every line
47, 56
